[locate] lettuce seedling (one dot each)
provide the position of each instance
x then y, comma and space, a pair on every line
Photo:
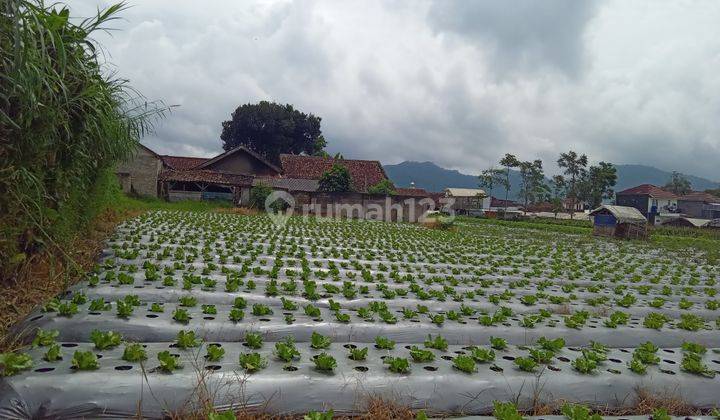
397, 364
526, 364
53, 353
357, 354
312, 311
252, 362
408, 313
99, 305
254, 340
692, 363
236, 315
584, 365
437, 319
541, 355
319, 341
225, 415
693, 347
134, 352
498, 343
506, 411
124, 309
464, 363
334, 306
186, 339
240, 303
289, 319
209, 309
384, 343
654, 320
181, 315
188, 301
168, 361
45, 337
85, 360
157, 307
214, 353
341, 317
554, 345
578, 412
318, 415
105, 340
421, 355
636, 365
482, 355
325, 362
438, 343
286, 350
12, 363
67, 309
288, 305
259, 309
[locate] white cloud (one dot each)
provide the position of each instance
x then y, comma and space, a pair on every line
458, 83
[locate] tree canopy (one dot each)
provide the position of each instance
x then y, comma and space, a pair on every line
384, 187
678, 184
270, 129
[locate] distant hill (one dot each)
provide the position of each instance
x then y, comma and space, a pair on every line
431, 177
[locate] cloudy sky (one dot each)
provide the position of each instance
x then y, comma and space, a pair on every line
455, 82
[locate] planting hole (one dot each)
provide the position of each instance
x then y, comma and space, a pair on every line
47, 369
668, 351
123, 367
213, 367
554, 369
447, 357
669, 372
94, 313
672, 362
460, 352
35, 318
353, 346
510, 358
210, 318
69, 345
615, 371
615, 360
290, 368
430, 368
563, 359
361, 368
151, 316
496, 368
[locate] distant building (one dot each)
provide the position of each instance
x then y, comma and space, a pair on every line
699, 205
649, 200
619, 221
468, 199
686, 222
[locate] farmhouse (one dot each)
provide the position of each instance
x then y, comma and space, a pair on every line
467, 200
231, 176
649, 200
619, 221
699, 205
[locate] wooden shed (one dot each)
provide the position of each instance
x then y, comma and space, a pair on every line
619, 221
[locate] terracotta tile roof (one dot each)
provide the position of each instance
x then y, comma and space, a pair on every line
648, 189
364, 173
412, 192
203, 175
182, 162
700, 196
289, 184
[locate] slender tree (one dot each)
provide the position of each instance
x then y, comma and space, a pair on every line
557, 189
574, 168
508, 161
532, 181
678, 184
491, 178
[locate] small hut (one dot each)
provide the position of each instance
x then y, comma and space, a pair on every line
619, 222
688, 222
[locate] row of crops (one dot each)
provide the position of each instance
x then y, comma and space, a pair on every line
322, 313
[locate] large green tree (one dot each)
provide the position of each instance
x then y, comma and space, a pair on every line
271, 129
532, 187
491, 178
678, 184
598, 183
336, 179
574, 167
508, 161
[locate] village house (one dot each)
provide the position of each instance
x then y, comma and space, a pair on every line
651, 201
699, 205
468, 200
231, 176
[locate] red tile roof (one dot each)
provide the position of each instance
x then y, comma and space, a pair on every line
364, 173
700, 196
412, 192
182, 162
648, 189
204, 175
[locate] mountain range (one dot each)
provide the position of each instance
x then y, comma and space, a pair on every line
432, 177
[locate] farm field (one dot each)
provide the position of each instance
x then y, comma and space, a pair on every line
189, 307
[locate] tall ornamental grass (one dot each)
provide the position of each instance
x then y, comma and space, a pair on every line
65, 121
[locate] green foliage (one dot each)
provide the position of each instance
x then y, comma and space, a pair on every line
236, 315
168, 362
498, 343
134, 352
45, 338
254, 340
105, 340
384, 343
692, 363
317, 415
12, 363
464, 363
225, 415
325, 362
578, 412
286, 350
397, 364
319, 341
258, 194
482, 355
66, 122
526, 364
53, 353
181, 315
214, 353
336, 179
252, 362
506, 411
438, 343
584, 365
358, 354
186, 339
124, 309
553, 345
384, 187
84, 360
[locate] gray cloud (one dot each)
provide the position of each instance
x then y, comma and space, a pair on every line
457, 83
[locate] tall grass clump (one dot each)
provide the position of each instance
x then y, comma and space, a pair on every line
65, 121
